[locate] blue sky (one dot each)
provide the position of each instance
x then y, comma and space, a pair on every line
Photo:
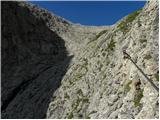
91, 12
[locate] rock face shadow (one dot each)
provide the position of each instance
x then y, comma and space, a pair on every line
34, 60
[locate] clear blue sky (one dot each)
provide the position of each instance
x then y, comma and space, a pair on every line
91, 12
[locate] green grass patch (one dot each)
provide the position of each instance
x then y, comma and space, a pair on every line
127, 87
85, 100
76, 104
71, 82
66, 96
111, 45
98, 62
70, 116
156, 76
101, 33
85, 65
86, 60
79, 92
78, 76
88, 117
142, 40
80, 115
124, 25
148, 57
138, 97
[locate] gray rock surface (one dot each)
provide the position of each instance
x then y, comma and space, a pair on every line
53, 68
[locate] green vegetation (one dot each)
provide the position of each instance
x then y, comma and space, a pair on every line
87, 117
104, 76
143, 40
85, 100
124, 25
112, 65
80, 92
70, 116
78, 76
100, 34
66, 96
86, 60
127, 86
148, 57
71, 82
156, 76
138, 97
85, 65
103, 54
80, 115
111, 45
76, 106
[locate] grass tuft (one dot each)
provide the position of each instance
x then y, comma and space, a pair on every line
148, 57
138, 97
127, 87
111, 45
143, 40
156, 76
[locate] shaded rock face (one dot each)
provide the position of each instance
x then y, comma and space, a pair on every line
52, 68
34, 60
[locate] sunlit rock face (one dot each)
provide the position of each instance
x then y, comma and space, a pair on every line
53, 68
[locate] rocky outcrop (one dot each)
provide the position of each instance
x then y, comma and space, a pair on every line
52, 68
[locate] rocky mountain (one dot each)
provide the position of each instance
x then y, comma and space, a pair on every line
53, 68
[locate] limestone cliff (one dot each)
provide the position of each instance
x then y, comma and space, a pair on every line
53, 68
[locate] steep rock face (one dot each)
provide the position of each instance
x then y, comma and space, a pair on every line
34, 60
34, 57
52, 68
101, 84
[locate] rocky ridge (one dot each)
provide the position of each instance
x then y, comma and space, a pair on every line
52, 68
